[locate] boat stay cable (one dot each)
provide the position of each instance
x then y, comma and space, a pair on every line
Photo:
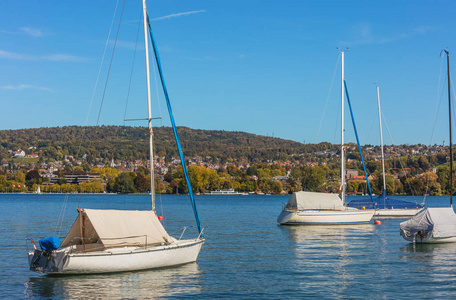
400, 161
65, 202
176, 136
437, 106
132, 68
110, 63
359, 145
327, 99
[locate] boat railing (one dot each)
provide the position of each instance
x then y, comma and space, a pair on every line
200, 234
29, 241
181, 235
183, 231
80, 244
93, 245
180, 232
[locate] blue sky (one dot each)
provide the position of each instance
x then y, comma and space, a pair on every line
263, 67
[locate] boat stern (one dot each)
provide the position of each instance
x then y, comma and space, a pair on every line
46, 262
421, 236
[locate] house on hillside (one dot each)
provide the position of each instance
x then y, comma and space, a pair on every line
83, 177
19, 154
280, 178
352, 174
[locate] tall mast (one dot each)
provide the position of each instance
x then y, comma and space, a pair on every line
342, 155
381, 138
151, 135
449, 115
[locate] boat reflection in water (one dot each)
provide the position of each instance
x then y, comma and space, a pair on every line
443, 249
430, 254
333, 256
435, 262
158, 283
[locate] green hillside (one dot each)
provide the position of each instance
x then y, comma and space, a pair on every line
129, 143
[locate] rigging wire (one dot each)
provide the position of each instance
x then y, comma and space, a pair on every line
102, 61
373, 122
110, 63
452, 101
371, 127
132, 68
437, 107
64, 205
438, 101
152, 165
156, 89
152, 168
327, 98
336, 128
61, 217
176, 136
441, 92
400, 161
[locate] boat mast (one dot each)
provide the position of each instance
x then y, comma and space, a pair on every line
151, 133
381, 138
342, 153
449, 115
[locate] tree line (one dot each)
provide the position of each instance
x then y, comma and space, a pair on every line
257, 178
427, 173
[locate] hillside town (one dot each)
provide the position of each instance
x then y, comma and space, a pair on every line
27, 169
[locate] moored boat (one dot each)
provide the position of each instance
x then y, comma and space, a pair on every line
432, 225
227, 192
435, 224
383, 206
104, 241
313, 208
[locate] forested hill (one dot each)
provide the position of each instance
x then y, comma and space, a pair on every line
129, 143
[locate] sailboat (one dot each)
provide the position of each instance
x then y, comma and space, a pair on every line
313, 208
383, 206
38, 190
104, 241
434, 224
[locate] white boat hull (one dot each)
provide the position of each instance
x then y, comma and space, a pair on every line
229, 192
427, 239
396, 213
324, 217
64, 261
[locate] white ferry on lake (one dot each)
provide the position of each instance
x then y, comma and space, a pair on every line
227, 192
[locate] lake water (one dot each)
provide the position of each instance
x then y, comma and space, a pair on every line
246, 255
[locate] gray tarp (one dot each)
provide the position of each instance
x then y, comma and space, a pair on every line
440, 220
116, 227
311, 200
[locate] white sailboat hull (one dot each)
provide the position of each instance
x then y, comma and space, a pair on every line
396, 213
66, 261
324, 217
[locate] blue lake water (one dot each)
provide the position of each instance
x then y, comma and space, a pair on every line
246, 255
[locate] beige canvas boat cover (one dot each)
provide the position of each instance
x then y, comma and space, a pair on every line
440, 220
116, 228
312, 200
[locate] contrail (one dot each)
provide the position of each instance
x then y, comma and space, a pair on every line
179, 14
